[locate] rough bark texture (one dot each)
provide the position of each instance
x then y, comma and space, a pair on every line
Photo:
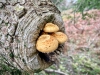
21, 21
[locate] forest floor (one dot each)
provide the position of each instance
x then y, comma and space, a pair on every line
82, 50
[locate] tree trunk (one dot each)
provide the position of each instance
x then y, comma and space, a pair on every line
21, 22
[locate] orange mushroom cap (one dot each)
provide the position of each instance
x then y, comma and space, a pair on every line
46, 43
60, 36
50, 27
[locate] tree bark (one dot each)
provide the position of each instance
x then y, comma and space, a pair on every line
21, 22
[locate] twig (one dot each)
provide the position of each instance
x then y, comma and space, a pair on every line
54, 71
93, 39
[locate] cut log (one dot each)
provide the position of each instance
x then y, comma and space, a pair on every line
21, 22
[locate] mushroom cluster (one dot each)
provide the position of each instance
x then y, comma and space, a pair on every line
50, 38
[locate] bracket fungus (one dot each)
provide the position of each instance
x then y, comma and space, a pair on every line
50, 39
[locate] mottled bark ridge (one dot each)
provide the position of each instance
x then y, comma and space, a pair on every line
21, 22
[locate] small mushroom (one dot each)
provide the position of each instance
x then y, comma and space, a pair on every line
46, 43
50, 27
60, 36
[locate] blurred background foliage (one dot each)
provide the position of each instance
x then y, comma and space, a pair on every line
82, 51
79, 5
83, 5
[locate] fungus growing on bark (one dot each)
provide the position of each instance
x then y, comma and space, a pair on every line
49, 39
50, 27
60, 36
46, 43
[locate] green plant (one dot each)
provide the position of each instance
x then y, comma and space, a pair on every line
85, 65
82, 5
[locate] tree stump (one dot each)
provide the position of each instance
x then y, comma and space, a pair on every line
21, 22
